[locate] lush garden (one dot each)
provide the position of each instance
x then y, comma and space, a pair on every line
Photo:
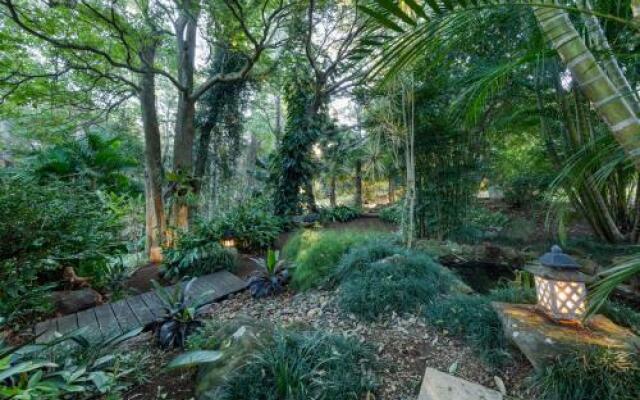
385, 177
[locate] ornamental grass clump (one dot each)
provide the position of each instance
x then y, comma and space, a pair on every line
314, 255
592, 374
401, 283
472, 318
304, 365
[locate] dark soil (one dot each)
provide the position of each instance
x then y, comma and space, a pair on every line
140, 281
164, 384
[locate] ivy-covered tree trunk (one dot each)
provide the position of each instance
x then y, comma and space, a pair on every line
610, 104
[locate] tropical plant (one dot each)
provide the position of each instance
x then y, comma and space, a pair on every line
70, 366
181, 313
392, 213
272, 276
609, 280
196, 255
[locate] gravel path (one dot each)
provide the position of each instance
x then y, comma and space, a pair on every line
405, 345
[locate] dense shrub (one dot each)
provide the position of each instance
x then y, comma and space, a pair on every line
339, 214
401, 283
315, 255
195, 255
595, 374
359, 257
44, 228
392, 213
304, 365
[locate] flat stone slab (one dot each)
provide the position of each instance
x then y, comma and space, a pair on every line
542, 340
437, 385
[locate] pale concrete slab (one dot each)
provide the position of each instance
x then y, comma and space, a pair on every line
437, 385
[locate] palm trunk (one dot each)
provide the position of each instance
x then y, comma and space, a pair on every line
611, 105
391, 193
310, 197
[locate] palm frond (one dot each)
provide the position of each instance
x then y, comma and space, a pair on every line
611, 279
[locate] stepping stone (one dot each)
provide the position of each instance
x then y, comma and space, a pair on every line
542, 340
437, 385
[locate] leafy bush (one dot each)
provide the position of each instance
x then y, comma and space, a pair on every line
401, 283
472, 318
253, 223
270, 278
339, 214
392, 213
304, 365
79, 370
315, 255
195, 254
595, 374
44, 228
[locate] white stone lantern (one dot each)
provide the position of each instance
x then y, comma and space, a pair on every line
560, 287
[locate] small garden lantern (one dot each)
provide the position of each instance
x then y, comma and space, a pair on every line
560, 286
228, 239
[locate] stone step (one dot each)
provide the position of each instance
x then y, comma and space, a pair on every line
437, 385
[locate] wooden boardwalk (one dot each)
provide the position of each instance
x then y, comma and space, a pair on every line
133, 312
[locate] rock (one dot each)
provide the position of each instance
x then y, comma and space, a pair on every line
542, 340
71, 301
437, 385
239, 338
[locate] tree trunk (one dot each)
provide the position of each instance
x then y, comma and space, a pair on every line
277, 103
611, 105
391, 193
332, 191
311, 198
357, 197
202, 156
155, 218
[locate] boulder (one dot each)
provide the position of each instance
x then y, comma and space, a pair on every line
437, 385
541, 340
71, 301
238, 338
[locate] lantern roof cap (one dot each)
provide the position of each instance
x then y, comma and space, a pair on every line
557, 259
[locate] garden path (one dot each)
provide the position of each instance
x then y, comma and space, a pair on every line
108, 320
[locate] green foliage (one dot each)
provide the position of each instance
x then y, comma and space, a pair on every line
253, 223
271, 278
358, 258
595, 374
44, 228
339, 214
97, 159
392, 213
622, 314
181, 313
304, 365
472, 318
316, 254
71, 367
401, 283
195, 255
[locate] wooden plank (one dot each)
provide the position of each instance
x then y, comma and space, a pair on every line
140, 310
154, 304
124, 315
68, 323
88, 321
44, 330
107, 321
